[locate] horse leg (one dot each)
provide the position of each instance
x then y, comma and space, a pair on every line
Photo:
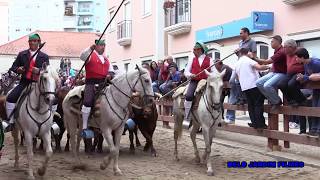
29, 143
57, 139
206, 156
47, 144
21, 138
177, 133
193, 134
117, 138
73, 142
131, 141
138, 144
34, 144
15, 134
100, 143
67, 148
109, 138
40, 146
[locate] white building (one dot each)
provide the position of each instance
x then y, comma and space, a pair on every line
26, 16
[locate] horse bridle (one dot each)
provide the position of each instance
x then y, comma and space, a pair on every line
132, 88
213, 106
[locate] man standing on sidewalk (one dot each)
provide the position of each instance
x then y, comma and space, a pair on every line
247, 73
236, 95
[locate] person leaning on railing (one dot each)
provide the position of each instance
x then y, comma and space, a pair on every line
312, 73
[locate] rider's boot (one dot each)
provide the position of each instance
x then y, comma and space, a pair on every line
187, 119
86, 133
8, 125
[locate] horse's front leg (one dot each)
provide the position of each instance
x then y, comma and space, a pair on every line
47, 145
107, 134
117, 138
29, 143
136, 134
15, 135
177, 133
131, 141
208, 135
193, 134
149, 143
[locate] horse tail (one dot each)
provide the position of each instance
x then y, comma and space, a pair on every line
178, 117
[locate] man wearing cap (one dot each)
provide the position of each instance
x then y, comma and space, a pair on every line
200, 62
268, 83
173, 80
97, 69
29, 68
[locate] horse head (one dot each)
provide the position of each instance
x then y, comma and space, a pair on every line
48, 83
214, 88
143, 85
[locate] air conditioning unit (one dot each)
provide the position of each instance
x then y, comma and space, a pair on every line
294, 2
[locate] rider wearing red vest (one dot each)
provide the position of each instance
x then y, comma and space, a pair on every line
29, 68
97, 69
200, 62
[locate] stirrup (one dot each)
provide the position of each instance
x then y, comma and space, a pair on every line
7, 127
87, 134
186, 123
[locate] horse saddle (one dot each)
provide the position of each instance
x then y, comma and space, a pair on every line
182, 91
22, 97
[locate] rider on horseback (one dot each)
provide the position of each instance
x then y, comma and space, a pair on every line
29, 69
200, 62
97, 69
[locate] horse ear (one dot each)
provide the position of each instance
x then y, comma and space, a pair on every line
44, 66
223, 73
207, 72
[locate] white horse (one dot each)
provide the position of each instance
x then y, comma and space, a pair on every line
114, 112
207, 116
35, 117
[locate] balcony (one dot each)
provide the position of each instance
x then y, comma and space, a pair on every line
124, 31
85, 11
85, 22
178, 17
294, 2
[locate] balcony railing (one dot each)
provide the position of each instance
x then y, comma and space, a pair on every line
124, 30
178, 18
181, 12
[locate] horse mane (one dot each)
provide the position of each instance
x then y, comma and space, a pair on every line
129, 74
53, 73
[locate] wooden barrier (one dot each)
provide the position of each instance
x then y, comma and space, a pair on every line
272, 133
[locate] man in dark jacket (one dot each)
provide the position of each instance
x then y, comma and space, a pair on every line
29, 68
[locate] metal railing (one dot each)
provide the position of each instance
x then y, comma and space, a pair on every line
124, 29
181, 12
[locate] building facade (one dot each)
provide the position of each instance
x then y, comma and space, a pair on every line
179, 24
4, 11
136, 34
55, 15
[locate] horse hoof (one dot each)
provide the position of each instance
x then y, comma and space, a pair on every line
132, 151
210, 173
31, 178
118, 173
41, 171
154, 153
197, 160
138, 144
16, 165
103, 166
66, 150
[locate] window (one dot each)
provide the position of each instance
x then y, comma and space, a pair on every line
214, 54
113, 23
146, 7
313, 47
182, 62
262, 50
85, 21
84, 7
147, 61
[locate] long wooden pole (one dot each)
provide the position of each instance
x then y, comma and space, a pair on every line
186, 82
85, 62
